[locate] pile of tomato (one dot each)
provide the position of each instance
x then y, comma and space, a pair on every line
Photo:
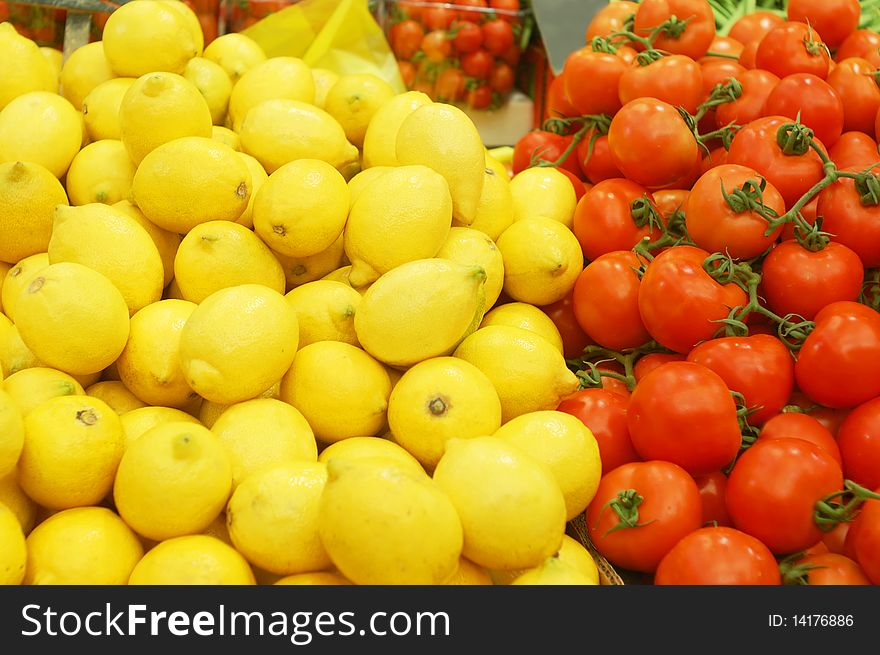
460, 51
726, 326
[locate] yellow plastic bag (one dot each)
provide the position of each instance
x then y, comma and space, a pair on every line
340, 35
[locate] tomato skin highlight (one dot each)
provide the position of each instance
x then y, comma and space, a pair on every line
697, 36
674, 79
591, 81
718, 556
858, 44
784, 50
859, 442
610, 18
813, 99
835, 20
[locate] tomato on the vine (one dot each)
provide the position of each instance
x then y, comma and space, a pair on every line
542, 145
855, 150
863, 539
594, 158
854, 83
670, 201
640, 511
793, 47
497, 36
725, 45
406, 39
604, 412
858, 44
713, 488
859, 441
718, 556
692, 39
675, 79
825, 569
756, 87
851, 219
795, 425
649, 362
558, 105
478, 64
835, 20
610, 18
753, 26
574, 339
813, 100
591, 80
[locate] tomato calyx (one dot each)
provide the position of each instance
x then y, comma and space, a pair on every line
870, 293
601, 44
626, 506
598, 123
795, 573
814, 47
833, 509
586, 367
647, 57
868, 186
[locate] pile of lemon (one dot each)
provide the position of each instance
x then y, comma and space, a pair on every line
169, 415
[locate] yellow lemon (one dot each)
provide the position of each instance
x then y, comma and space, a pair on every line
41, 128
473, 248
31, 387
13, 550
276, 78
280, 131
315, 578
28, 196
56, 60
382, 524
363, 179
190, 181
26, 70
166, 242
85, 69
101, 172
116, 395
113, 244
235, 53
219, 530
209, 412
529, 374
339, 275
542, 260
158, 108
173, 480
354, 100
571, 553
238, 343
302, 270
261, 432
227, 137
19, 277
137, 422
441, 399
401, 216
371, 448
11, 432
380, 140
191, 20
302, 208
258, 178
444, 138
4, 271
554, 571
82, 546
192, 560
565, 446
495, 209
325, 311
221, 254
14, 354
150, 363
213, 83
340, 389
73, 318
543, 193
469, 573
72, 447
148, 36
324, 81
497, 163
100, 108
420, 310
525, 316
11, 495
273, 518
512, 510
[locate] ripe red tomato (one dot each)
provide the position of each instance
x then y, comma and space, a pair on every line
800, 281
756, 87
557, 102
850, 222
718, 556
747, 56
715, 226
830, 418
773, 489
717, 157
863, 539
591, 81
606, 301
680, 302
854, 150
480, 97
408, 73
651, 144
758, 366
603, 219
794, 425
675, 79
793, 47
497, 36
669, 201
604, 412
818, 104
833, 19
436, 46
651, 361
438, 18
755, 146
683, 413
666, 509
859, 94
406, 39
502, 78
697, 35
478, 64
597, 164
826, 569
717, 71
713, 487
838, 363
548, 146
576, 183
449, 86
574, 339
504, 6
468, 36
610, 18
723, 45
858, 44
859, 441
753, 26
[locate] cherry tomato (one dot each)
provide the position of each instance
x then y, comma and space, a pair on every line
557, 102
438, 18
680, 302
683, 413
480, 97
539, 144
468, 36
675, 79
712, 488
722, 45
473, 11
651, 361
800, 281
838, 363
863, 539
825, 569
794, 425
859, 441
502, 78
753, 26
406, 39
854, 84
610, 18
603, 219
662, 503
592, 80
478, 64
696, 37
505, 8
793, 47
604, 412
854, 150
858, 44
773, 489
606, 301
850, 221
512, 55
408, 72
758, 366
574, 339
756, 87
755, 146
651, 144
497, 36
436, 46
718, 556
713, 223
594, 158
833, 19
818, 104
449, 86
